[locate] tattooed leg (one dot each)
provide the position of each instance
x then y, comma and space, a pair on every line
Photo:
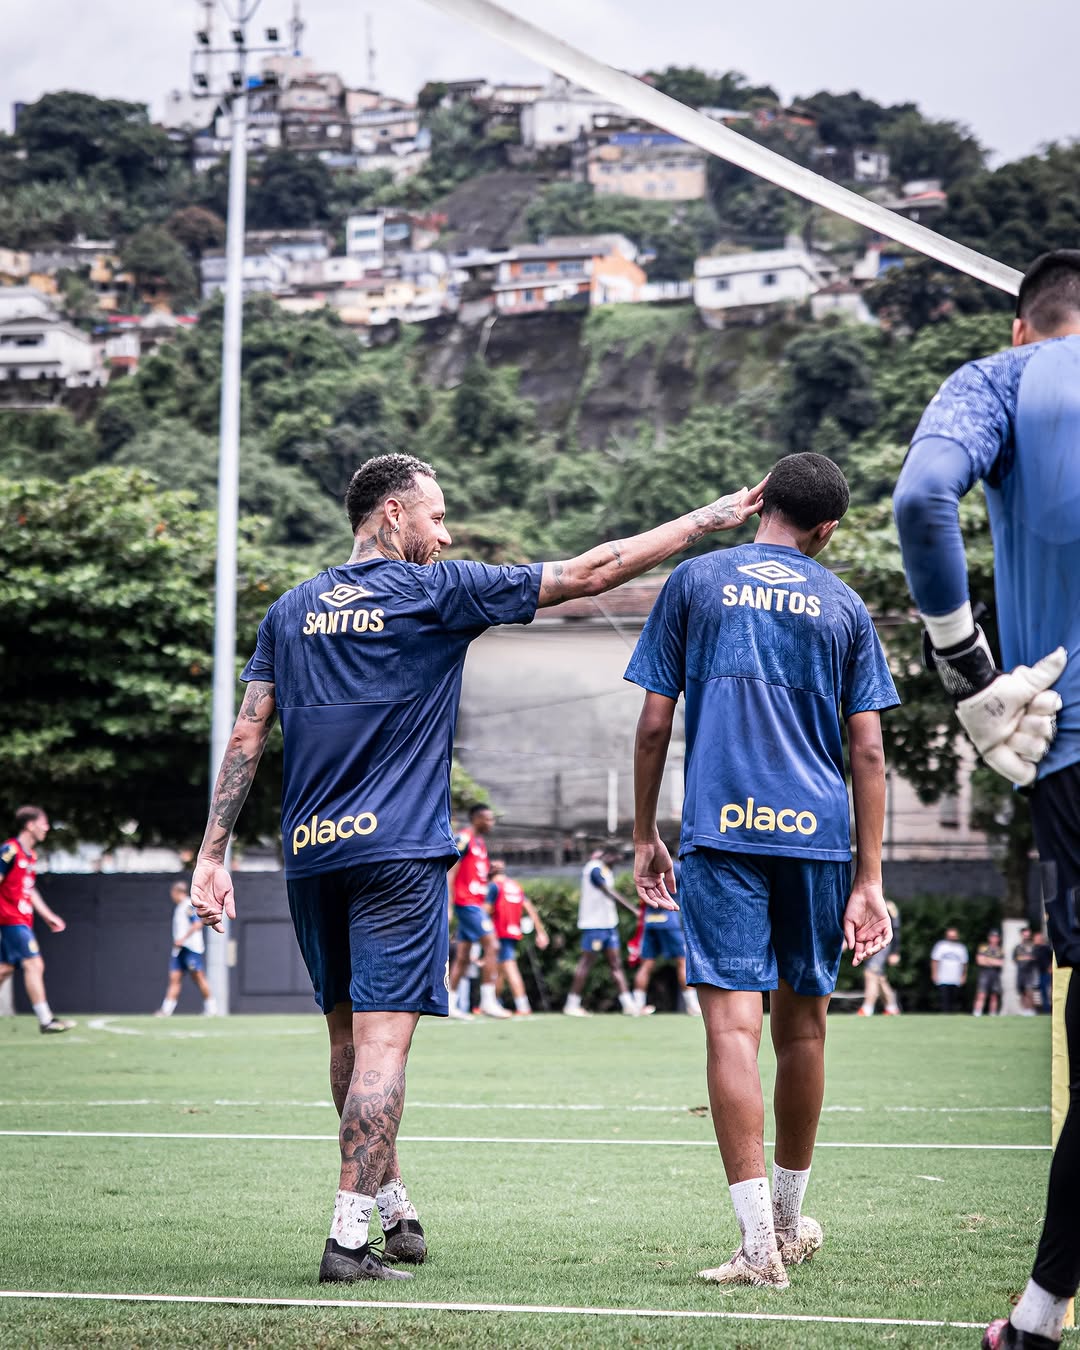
372, 1110
342, 1055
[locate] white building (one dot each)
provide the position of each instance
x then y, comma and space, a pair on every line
561, 113
364, 238
37, 344
263, 272
753, 280
869, 166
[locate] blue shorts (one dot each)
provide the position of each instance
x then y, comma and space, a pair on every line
186, 959
663, 940
376, 935
17, 944
599, 939
508, 949
472, 923
751, 919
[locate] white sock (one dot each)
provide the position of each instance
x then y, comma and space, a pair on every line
789, 1187
464, 992
1039, 1312
573, 1001
352, 1213
522, 1004
626, 1002
210, 1006
394, 1203
43, 1012
868, 1009
167, 1006
639, 997
690, 1000
753, 1209
487, 996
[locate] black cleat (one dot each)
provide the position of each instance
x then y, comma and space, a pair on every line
344, 1265
57, 1025
1002, 1335
405, 1242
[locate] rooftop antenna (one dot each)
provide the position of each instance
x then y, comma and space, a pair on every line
369, 29
297, 28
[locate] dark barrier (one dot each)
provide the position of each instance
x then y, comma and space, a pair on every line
114, 955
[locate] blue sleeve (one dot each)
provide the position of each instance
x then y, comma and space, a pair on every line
462, 842
261, 665
596, 876
936, 474
868, 683
492, 892
659, 660
8, 854
470, 597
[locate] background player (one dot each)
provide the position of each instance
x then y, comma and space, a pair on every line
661, 939
508, 901
364, 662
1012, 421
875, 978
19, 899
598, 923
188, 953
990, 959
771, 651
468, 882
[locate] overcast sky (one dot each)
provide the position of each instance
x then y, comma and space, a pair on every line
1007, 71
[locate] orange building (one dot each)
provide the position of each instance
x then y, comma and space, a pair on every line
599, 269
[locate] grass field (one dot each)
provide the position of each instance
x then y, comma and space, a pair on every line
554, 1162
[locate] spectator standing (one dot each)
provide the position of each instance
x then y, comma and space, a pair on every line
1044, 964
598, 921
990, 959
948, 969
1027, 974
875, 980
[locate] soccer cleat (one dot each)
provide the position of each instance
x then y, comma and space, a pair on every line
579, 1011
738, 1270
646, 1010
57, 1025
344, 1265
497, 1011
863, 1013
1002, 1335
892, 1012
405, 1242
456, 1015
795, 1250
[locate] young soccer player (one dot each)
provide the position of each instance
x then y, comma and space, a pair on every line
188, 954
598, 923
774, 655
508, 901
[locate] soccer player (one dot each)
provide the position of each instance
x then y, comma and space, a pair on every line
364, 662
19, 899
468, 882
990, 958
1012, 422
188, 953
875, 981
773, 654
508, 901
662, 939
598, 922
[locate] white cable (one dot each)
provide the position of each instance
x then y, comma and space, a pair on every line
662, 111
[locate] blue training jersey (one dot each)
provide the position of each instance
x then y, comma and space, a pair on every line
771, 651
1016, 415
366, 664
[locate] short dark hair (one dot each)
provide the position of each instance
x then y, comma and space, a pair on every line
477, 807
379, 478
1050, 291
806, 489
25, 814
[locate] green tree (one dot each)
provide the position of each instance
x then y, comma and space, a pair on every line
919, 148
196, 229
849, 120
156, 260
923, 291
292, 192
112, 143
826, 374
699, 89
106, 584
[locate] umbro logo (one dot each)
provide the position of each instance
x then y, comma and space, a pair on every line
344, 595
772, 572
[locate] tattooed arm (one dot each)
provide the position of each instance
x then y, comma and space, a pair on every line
211, 885
609, 565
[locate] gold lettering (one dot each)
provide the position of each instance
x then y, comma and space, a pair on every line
320, 623
731, 816
377, 626
368, 828
360, 621
765, 818
327, 833
808, 816
301, 838
785, 829
342, 832
309, 624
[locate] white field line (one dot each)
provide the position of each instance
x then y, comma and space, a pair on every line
325, 1103
708, 1314
106, 1024
491, 1139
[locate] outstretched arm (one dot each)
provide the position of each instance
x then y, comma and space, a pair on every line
609, 565
654, 873
211, 885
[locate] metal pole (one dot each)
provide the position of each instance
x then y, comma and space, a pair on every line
612, 800
228, 488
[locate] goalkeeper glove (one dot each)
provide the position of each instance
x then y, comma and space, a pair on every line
1008, 715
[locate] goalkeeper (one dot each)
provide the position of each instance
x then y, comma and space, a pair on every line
1012, 421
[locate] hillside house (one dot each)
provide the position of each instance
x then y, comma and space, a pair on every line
632, 160
743, 285
589, 269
